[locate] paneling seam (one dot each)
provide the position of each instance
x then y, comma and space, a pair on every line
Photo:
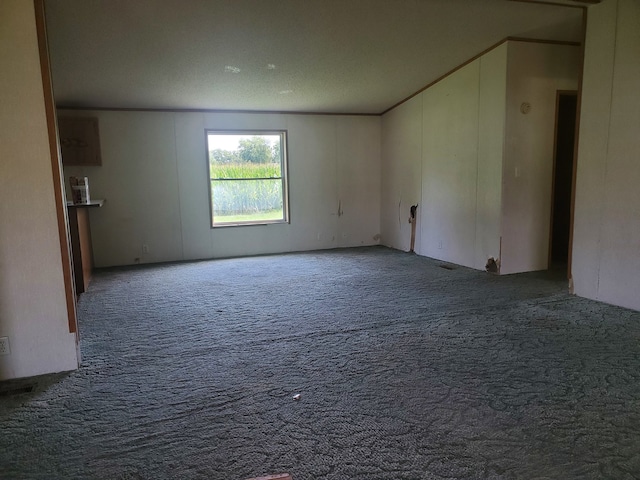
608, 141
175, 153
475, 232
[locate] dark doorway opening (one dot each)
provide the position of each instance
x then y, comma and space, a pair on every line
566, 105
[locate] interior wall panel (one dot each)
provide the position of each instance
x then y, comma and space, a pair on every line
608, 216
620, 262
535, 73
401, 173
449, 167
191, 166
33, 308
358, 176
154, 177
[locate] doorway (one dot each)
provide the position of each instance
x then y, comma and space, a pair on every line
566, 105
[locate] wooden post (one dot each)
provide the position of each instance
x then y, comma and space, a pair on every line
412, 221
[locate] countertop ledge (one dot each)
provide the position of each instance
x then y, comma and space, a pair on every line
92, 203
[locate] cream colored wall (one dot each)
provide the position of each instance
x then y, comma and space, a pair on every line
606, 246
443, 149
465, 138
154, 177
449, 166
33, 311
491, 133
401, 173
536, 72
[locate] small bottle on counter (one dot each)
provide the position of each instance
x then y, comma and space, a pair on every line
79, 189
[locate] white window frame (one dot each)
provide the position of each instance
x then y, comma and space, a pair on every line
283, 172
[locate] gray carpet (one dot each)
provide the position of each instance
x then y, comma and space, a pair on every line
405, 370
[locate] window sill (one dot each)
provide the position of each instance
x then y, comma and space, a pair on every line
250, 224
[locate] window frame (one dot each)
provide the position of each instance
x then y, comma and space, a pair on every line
284, 175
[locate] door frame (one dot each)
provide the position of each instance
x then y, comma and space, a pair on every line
56, 168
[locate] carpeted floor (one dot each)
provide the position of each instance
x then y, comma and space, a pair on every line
405, 370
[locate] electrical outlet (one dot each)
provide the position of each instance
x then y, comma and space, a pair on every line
145, 248
4, 346
440, 244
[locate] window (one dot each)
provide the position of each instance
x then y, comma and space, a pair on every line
248, 177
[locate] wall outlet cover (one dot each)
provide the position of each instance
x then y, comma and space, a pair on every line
4, 346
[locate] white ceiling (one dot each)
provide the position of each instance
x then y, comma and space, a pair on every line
347, 56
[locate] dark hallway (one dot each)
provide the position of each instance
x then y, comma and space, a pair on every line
563, 176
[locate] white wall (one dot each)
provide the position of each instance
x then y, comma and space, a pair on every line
606, 246
491, 133
33, 312
443, 149
449, 165
154, 177
535, 73
401, 173
464, 137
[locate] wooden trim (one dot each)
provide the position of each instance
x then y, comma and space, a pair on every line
284, 112
442, 77
209, 110
473, 59
537, 40
585, 15
558, 4
56, 168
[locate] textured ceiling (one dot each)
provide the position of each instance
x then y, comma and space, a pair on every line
349, 56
